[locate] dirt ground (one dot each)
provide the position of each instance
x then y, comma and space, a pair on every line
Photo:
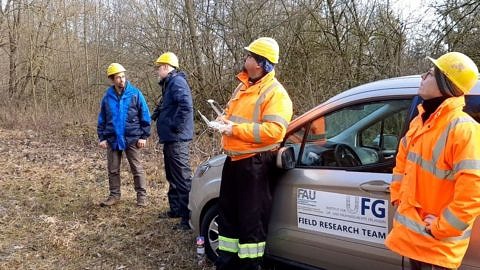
50, 188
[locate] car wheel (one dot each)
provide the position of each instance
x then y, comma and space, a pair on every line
209, 229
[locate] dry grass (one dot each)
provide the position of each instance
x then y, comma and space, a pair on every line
50, 187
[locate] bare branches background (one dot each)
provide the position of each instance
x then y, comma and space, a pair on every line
54, 52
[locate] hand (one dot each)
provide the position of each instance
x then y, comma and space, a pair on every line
141, 143
395, 204
155, 114
228, 128
103, 144
429, 220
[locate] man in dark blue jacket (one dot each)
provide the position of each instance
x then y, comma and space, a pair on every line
174, 116
123, 126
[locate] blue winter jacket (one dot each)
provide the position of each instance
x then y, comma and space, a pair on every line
124, 119
175, 120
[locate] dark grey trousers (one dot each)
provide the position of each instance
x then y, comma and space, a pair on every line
418, 265
179, 176
114, 159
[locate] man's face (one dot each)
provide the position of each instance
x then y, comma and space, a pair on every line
119, 80
162, 71
428, 86
251, 66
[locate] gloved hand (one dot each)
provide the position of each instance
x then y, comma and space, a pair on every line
227, 129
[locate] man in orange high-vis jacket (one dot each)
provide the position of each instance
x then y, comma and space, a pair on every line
436, 181
256, 121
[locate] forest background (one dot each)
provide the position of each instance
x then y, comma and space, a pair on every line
54, 53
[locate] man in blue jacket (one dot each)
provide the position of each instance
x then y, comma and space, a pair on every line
174, 116
123, 126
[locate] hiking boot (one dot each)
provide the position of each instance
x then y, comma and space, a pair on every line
111, 200
168, 214
182, 226
141, 201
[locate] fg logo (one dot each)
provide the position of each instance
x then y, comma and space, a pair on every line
376, 207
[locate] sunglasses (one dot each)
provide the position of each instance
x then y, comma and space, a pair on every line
428, 73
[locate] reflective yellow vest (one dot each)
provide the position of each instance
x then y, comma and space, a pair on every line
260, 112
437, 172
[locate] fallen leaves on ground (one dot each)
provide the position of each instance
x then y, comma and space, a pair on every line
50, 187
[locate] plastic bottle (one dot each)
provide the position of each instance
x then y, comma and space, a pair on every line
200, 242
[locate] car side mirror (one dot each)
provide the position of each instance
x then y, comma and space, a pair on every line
286, 158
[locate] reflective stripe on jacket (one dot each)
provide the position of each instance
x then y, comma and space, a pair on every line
261, 113
124, 119
437, 172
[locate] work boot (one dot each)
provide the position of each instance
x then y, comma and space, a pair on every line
182, 226
141, 201
111, 200
168, 214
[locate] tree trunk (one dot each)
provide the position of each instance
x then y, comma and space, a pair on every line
13, 36
85, 49
69, 55
194, 39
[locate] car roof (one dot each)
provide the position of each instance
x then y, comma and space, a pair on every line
408, 84
393, 87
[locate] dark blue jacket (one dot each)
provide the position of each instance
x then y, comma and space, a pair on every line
124, 119
175, 119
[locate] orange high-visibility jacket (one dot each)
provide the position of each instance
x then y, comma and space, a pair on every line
260, 112
317, 132
437, 172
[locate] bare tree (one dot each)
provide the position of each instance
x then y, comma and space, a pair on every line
13, 14
55, 52
458, 28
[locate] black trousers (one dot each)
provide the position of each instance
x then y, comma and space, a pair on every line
244, 206
179, 176
418, 265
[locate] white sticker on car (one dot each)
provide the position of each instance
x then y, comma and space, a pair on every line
362, 218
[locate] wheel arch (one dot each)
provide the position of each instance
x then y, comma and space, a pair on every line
205, 208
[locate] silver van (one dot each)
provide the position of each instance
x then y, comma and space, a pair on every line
331, 207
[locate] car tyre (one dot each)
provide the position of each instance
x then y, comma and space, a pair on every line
209, 229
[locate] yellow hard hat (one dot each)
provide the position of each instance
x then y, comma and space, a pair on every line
266, 47
459, 69
168, 58
115, 68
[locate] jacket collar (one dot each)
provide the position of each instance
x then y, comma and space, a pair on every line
448, 105
127, 88
170, 75
243, 78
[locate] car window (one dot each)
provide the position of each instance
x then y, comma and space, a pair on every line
357, 135
382, 135
472, 106
295, 140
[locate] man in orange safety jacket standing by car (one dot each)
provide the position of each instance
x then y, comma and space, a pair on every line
436, 181
256, 121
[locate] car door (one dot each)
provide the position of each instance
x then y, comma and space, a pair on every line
332, 210
472, 257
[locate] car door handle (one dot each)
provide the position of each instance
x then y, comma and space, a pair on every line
375, 186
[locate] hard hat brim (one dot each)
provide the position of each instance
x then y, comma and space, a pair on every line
434, 61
